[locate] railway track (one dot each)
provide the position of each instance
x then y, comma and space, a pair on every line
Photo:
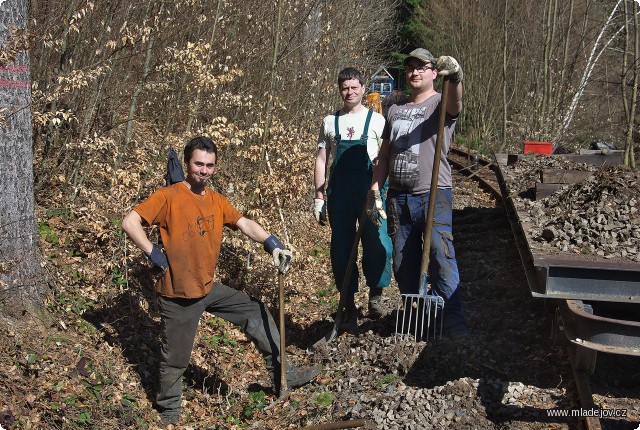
479, 169
508, 375
575, 325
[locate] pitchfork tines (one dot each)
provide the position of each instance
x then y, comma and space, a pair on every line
417, 314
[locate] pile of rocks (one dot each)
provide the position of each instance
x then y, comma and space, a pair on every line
521, 177
411, 385
598, 216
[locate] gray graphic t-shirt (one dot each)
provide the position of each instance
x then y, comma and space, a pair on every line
412, 130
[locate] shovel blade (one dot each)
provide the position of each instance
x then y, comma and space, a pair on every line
330, 335
326, 339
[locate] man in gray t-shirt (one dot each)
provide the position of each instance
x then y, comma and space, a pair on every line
406, 157
412, 130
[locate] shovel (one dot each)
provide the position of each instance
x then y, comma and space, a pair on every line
283, 393
345, 286
284, 389
426, 298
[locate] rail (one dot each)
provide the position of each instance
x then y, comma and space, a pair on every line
478, 168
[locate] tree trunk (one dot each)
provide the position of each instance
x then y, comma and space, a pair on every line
20, 284
594, 56
53, 133
195, 110
630, 108
133, 106
504, 77
270, 94
565, 64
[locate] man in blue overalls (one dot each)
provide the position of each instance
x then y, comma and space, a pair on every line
352, 137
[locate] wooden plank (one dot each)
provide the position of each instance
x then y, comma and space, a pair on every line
544, 190
598, 151
560, 176
502, 159
609, 159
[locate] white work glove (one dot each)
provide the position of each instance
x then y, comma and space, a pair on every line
282, 259
281, 255
448, 66
374, 209
320, 210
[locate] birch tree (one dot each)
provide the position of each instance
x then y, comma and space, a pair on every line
598, 48
629, 101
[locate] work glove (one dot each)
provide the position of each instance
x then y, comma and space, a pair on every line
281, 255
374, 207
448, 66
157, 258
320, 210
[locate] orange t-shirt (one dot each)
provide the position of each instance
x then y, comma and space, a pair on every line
191, 231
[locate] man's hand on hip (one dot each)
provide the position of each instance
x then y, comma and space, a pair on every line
157, 258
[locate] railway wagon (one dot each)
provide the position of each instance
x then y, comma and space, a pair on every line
576, 221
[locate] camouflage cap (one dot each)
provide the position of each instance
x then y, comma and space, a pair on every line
421, 54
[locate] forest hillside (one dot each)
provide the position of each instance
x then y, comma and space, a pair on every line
114, 85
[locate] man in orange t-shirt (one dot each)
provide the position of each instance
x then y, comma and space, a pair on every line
191, 218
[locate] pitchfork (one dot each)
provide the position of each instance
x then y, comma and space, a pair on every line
414, 306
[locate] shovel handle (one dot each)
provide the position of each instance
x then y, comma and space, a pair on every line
283, 356
345, 285
347, 276
426, 245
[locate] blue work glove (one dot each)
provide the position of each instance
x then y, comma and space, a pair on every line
157, 258
281, 255
448, 66
375, 211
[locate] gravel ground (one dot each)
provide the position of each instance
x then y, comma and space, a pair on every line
509, 375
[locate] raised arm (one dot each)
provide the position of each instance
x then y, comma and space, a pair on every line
448, 66
454, 104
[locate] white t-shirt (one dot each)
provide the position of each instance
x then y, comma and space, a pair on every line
351, 127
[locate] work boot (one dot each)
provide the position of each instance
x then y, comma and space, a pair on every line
296, 376
375, 303
350, 319
299, 376
169, 417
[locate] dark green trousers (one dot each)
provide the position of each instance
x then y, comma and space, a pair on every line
179, 322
